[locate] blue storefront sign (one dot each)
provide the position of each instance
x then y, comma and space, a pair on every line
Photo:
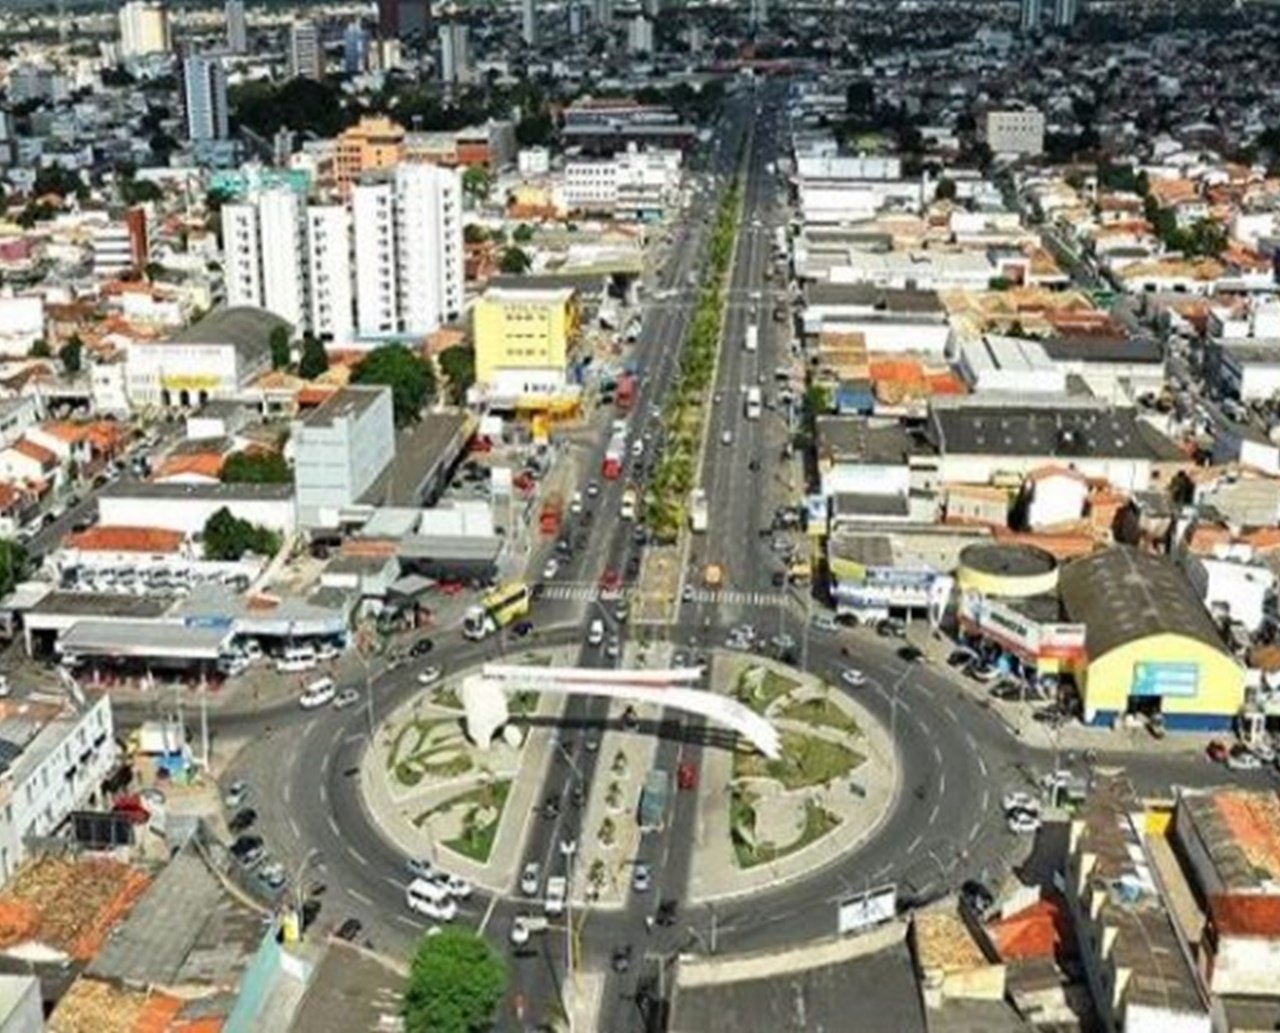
1165, 679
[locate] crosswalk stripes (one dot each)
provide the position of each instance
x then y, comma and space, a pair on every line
580, 593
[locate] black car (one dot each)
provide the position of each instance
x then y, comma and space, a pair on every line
629, 719
960, 658
978, 897
551, 808
349, 930
622, 958
521, 628
633, 566
667, 911
246, 845
242, 819
1007, 692
564, 546
422, 647
779, 578
638, 535
578, 796
891, 629
910, 654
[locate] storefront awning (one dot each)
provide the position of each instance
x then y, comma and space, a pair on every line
145, 640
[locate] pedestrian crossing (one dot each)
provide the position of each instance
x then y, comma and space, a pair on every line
579, 593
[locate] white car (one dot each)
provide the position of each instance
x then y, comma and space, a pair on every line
320, 693
823, 622
557, 890
593, 489
637, 448
726, 437
530, 879
429, 675
1243, 760
457, 887
346, 698
575, 507
1019, 801
853, 677
595, 634
551, 569
1023, 823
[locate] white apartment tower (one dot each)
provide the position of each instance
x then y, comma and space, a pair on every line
144, 29
265, 243
429, 245
529, 22
237, 28
640, 35
329, 285
1031, 13
455, 53
373, 217
1065, 13
759, 12
306, 58
204, 94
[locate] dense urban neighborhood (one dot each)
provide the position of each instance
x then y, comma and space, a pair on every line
657, 516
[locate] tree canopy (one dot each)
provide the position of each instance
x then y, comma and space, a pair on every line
256, 467
228, 537
514, 261
411, 379
456, 981
459, 367
72, 354
281, 353
303, 105
13, 559
315, 360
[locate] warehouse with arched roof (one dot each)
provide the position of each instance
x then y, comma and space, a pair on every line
1151, 646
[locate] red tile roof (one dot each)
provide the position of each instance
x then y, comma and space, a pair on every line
202, 464
1038, 931
126, 539
1246, 914
39, 453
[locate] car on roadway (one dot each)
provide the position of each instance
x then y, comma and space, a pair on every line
641, 877
430, 675
421, 868
522, 628
530, 879
613, 648
248, 851
1018, 800
349, 930
524, 926
430, 899
593, 489
823, 622
1240, 758
237, 793
666, 913
961, 657
319, 693
621, 610
242, 820
575, 506
455, 885
1023, 823
911, 654
686, 775
620, 960
853, 677
273, 875
726, 437
550, 569
346, 698
595, 633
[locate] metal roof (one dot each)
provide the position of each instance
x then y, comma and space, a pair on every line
119, 638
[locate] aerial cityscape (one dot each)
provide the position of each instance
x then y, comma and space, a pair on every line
562, 516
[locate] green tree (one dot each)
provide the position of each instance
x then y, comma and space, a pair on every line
474, 233
256, 467
72, 355
139, 191
228, 537
13, 561
40, 349
477, 182
946, 189
281, 352
456, 982
515, 261
411, 379
459, 367
536, 131
522, 234
315, 360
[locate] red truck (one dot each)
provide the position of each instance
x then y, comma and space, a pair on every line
551, 514
625, 394
611, 467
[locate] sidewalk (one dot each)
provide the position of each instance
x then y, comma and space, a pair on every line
1018, 717
716, 874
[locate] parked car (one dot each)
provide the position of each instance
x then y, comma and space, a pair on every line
422, 647
1241, 759
349, 930
641, 877
1217, 751
420, 868
319, 693
530, 879
429, 675
851, 676
346, 698
911, 654
521, 628
621, 958
237, 793
1023, 823
242, 820
1019, 801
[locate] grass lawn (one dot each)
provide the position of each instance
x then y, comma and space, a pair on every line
476, 840
820, 712
806, 761
818, 821
415, 743
758, 691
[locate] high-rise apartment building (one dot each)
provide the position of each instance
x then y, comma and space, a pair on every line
371, 144
373, 217
455, 53
1031, 12
529, 22
144, 28
329, 285
400, 19
204, 97
355, 49
1065, 13
759, 12
640, 35
306, 56
237, 27
264, 240
428, 245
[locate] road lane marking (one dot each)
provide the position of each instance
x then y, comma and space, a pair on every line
360, 858
937, 754
392, 883
986, 800
333, 744
288, 793
982, 765
359, 896
973, 832
324, 765
950, 713
333, 826
488, 914
942, 784
933, 814
914, 843
406, 920
324, 793
293, 827
971, 743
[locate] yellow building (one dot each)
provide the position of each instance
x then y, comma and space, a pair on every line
372, 143
523, 337
1152, 647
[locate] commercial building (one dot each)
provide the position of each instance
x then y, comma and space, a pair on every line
55, 758
215, 358
306, 53
1018, 131
264, 254
144, 29
372, 144
237, 28
1249, 369
522, 341
890, 321
633, 184
1152, 648
455, 53
340, 449
186, 507
1132, 955
640, 35
204, 97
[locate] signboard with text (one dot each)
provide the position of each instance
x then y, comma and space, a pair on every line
1180, 680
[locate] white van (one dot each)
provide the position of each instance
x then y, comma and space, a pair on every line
318, 694
557, 890
595, 634
430, 899
296, 659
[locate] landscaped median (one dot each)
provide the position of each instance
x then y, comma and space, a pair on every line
683, 414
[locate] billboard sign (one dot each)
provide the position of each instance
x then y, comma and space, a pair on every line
1181, 680
867, 910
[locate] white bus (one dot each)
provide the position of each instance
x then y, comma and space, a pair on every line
752, 403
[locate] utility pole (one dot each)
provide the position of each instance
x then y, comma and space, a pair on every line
204, 722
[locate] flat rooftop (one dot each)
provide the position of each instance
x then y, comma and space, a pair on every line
351, 990
421, 452
1050, 432
1008, 559
854, 439
344, 404
133, 489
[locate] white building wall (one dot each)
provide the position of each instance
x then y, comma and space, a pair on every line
189, 514
153, 367
1056, 499
282, 232
1126, 474
865, 479
335, 463
1237, 589
373, 219
241, 254
329, 289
